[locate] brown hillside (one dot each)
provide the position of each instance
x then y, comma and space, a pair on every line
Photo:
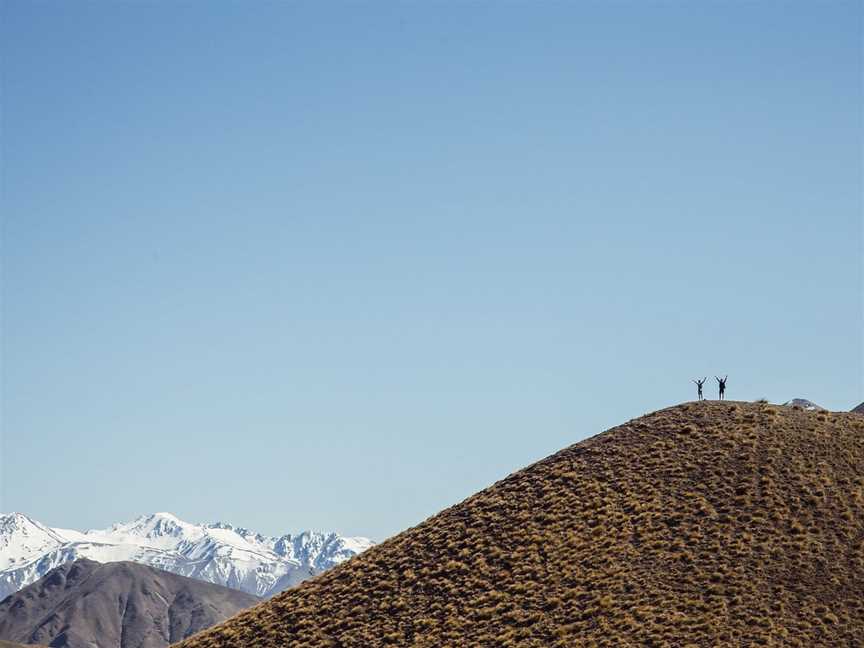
707, 524
85, 604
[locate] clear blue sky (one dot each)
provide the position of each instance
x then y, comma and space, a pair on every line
340, 265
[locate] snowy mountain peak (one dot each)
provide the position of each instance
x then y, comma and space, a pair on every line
152, 526
21, 537
163, 517
15, 521
10, 521
246, 534
218, 553
805, 404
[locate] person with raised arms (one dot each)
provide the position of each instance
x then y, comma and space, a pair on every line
722, 386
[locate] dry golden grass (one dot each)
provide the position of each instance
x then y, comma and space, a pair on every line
707, 524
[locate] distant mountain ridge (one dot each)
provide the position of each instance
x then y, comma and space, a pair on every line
217, 553
86, 604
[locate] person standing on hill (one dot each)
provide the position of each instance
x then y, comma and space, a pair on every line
699, 384
722, 385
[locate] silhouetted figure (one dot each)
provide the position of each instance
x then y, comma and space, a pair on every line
699, 384
722, 384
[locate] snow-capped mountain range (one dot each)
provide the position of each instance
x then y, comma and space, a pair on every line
217, 553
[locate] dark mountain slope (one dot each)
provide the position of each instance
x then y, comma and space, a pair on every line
86, 604
859, 409
707, 524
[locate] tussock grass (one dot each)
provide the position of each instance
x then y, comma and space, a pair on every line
707, 524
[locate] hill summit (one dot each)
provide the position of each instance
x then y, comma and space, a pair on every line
706, 524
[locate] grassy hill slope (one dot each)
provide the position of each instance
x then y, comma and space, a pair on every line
706, 524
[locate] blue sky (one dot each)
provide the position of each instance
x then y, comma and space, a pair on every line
340, 265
